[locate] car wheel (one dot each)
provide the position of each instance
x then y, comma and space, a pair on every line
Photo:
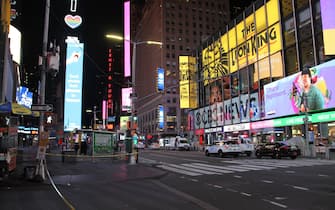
220, 153
294, 155
248, 154
258, 155
207, 153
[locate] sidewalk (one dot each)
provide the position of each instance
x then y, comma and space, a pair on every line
80, 169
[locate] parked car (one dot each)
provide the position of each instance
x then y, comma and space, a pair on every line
246, 145
277, 150
223, 148
183, 144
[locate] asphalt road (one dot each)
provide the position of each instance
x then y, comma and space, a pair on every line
190, 181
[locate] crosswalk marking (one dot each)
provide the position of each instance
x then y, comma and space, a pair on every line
207, 168
197, 169
192, 169
168, 168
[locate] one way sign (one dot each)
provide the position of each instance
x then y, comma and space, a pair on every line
42, 107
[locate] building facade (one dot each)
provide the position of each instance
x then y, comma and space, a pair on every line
181, 26
250, 77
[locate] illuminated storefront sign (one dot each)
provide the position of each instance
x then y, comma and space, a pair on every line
284, 96
236, 127
187, 84
73, 84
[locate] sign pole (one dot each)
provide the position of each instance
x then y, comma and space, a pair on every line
40, 167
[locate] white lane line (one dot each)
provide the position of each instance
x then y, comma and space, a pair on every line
221, 167
237, 176
300, 188
323, 175
218, 186
194, 180
231, 190
168, 168
267, 181
192, 169
276, 203
208, 169
290, 172
246, 194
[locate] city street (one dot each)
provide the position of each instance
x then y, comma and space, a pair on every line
178, 180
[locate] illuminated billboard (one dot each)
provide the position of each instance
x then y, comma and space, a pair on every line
296, 93
160, 79
160, 117
24, 97
73, 84
127, 39
15, 44
247, 42
328, 25
187, 82
126, 99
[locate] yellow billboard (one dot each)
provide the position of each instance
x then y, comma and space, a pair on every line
187, 82
242, 43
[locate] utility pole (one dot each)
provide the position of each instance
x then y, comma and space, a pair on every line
40, 167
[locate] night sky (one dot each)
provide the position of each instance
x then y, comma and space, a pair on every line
97, 20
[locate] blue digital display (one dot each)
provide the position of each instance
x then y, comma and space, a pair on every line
160, 80
73, 86
160, 117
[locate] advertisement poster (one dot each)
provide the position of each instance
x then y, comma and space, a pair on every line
73, 85
295, 94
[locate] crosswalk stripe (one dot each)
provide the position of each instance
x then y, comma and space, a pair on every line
176, 170
197, 169
258, 166
192, 169
223, 167
208, 169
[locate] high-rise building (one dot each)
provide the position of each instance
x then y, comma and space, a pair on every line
181, 26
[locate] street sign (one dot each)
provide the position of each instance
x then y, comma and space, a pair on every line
42, 107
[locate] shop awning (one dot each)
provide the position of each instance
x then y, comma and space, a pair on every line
14, 108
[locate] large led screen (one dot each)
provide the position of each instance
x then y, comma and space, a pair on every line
73, 85
160, 79
24, 97
287, 96
126, 99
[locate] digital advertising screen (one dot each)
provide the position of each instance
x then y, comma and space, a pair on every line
300, 93
160, 79
73, 85
126, 99
24, 97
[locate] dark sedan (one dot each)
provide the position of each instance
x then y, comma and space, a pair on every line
277, 150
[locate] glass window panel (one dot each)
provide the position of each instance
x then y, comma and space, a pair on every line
291, 60
235, 84
244, 80
287, 8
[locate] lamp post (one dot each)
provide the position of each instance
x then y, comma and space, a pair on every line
307, 149
133, 68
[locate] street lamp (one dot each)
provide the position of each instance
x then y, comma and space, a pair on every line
133, 65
